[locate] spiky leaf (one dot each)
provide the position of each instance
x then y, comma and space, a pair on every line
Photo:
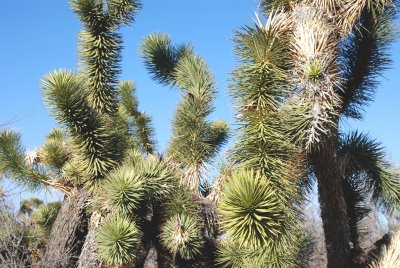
117, 240
181, 234
250, 210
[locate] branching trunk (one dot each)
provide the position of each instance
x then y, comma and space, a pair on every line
68, 233
333, 206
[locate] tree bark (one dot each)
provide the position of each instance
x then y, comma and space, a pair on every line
88, 257
68, 233
332, 203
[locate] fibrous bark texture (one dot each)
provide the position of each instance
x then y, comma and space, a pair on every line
333, 206
88, 257
68, 233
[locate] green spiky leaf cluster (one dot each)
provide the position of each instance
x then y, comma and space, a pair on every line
251, 213
45, 215
161, 179
263, 149
117, 240
182, 201
55, 151
181, 234
138, 123
13, 162
283, 253
66, 95
195, 140
124, 188
127, 186
100, 47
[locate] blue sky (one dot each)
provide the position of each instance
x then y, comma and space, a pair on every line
40, 36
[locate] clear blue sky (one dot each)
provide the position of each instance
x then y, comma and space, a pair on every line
40, 36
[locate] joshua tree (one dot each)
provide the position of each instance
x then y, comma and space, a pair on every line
94, 133
104, 157
324, 58
311, 64
195, 140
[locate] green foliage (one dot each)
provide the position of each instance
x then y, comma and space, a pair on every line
138, 123
182, 201
122, 11
365, 57
161, 179
161, 57
54, 151
92, 137
117, 240
124, 189
100, 47
149, 179
251, 213
363, 162
14, 165
195, 140
133, 156
45, 215
28, 206
128, 102
314, 71
181, 234
230, 254
261, 78
73, 171
260, 86
145, 132
282, 254
263, 190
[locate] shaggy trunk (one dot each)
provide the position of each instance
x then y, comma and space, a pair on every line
333, 206
88, 257
68, 233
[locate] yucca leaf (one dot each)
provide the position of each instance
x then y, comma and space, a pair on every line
117, 240
251, 213
45, 215
13, 162
181, 234
55, 151
124, 189
362, 161
92, 136
364, 58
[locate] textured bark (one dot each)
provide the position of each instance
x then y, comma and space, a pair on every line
333, 206
88, 257
151, 258
68, 233
362, 258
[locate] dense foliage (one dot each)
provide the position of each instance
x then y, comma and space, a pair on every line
311, 64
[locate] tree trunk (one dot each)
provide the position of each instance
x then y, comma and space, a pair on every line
333, 206
68, 233
88, 257
151, 258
